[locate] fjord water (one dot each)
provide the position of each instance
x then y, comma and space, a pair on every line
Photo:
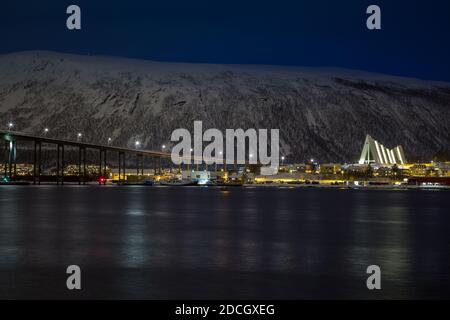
191, 242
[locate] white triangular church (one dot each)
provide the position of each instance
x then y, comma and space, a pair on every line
375, 152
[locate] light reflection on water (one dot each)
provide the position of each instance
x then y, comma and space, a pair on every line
237, 242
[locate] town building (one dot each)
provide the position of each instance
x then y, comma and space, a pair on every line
376, 153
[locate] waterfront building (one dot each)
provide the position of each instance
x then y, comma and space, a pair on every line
330, 168
444, 168
376, 153
268, 171
196, 175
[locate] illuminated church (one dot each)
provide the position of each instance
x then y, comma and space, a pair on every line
375, 152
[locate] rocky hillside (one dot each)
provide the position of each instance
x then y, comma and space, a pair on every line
321, 113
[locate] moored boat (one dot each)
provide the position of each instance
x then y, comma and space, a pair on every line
229, 184
178, 183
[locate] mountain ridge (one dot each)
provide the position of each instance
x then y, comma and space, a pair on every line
321, 112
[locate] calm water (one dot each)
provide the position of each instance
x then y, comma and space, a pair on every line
163, 242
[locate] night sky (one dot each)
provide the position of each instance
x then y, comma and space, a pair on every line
414, 40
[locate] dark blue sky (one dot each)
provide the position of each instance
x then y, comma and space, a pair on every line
414, 40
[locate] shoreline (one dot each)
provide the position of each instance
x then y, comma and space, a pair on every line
250, 186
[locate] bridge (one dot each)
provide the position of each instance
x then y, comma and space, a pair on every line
12, 137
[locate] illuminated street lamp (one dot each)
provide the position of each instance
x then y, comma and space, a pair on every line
109, 141
137, 144
10, 125
79, 136
45, 131
282, 159
163, 147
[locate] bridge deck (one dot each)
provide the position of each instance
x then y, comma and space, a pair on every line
29, 137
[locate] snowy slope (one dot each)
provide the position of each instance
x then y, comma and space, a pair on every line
321, 113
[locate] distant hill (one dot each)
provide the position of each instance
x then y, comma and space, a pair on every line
321, 113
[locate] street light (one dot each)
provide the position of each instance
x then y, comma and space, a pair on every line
10, 125
137, 144
109, 141
79, 136
45, 131
282, 159
163, 146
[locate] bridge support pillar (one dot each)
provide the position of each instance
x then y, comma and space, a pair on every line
37, 162
104, 164
84, 165
122, 166
79, 165
34, 162
57, 163
6, 159
100, 166
14, 159
60, 164
10, 159
139, 164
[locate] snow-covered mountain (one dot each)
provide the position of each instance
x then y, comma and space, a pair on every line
321, 113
